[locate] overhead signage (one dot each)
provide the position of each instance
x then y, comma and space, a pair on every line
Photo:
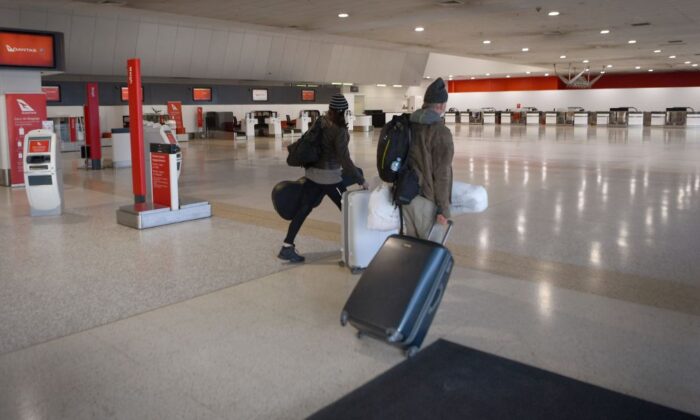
201, 94
27, 50
308, 95
53, 93
259, 95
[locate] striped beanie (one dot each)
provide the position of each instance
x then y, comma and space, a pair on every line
338, 103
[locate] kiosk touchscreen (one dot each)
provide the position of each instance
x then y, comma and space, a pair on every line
43, 176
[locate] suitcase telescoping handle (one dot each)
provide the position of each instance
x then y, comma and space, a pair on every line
435, 230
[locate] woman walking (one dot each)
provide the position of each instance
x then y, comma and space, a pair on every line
324, 178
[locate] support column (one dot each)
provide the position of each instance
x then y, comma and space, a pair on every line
138, 172
92, 126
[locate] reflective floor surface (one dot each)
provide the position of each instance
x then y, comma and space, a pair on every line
584, 264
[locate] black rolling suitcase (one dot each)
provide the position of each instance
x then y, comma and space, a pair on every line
398, 294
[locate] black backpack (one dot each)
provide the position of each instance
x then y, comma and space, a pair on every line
307, 150
392, 159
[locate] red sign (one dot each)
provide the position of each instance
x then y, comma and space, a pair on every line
26, 50
53, 93
200, 117
25, 112
160, 178
308, 95
175, 111
201, 94
39, 146
125, 94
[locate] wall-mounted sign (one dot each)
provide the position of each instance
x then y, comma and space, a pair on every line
125, 94
53, 93
27, 49
308, 95
259, 95
201, 94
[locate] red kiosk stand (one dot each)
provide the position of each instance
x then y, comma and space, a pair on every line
158, 202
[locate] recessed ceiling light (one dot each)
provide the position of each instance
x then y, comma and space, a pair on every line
528, 72
671, 56
336, 84
488, 74
473, 77
343, 15
588, 69
602, 72
486, 41
419, 29
609, 66
695, 65
546, 74
398, 86
637, 67
632, 41
553, 13
427, 77
508, 76
347, 84
381, 85
651, 69
657, 51
525, 49
687, 62
450, 76
605, 31
562, 56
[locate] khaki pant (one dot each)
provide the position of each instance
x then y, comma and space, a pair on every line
419, 217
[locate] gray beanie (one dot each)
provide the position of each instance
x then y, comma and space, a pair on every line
338, 103
436, 92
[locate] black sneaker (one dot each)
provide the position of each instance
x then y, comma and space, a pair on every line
289, 253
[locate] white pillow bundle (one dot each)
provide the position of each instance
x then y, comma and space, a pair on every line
383, 215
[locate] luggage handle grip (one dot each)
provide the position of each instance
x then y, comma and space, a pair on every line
448, 229
436, 298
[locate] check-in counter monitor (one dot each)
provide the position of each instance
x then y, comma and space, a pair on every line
43, 175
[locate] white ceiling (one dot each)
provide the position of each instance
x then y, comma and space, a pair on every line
457, 30
509, 24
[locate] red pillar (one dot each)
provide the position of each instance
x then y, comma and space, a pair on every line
92, 125
138, 171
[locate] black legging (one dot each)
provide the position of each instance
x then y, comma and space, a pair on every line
311, 196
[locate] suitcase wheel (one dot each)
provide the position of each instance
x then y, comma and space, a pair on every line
360, 334
344, 318
411, 351
356, 270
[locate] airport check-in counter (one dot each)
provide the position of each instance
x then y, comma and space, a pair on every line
534, 118
391, 115
450, 117
476, 117
678, 116
636, 119
261, 126
620, 116
491, 116
550, 118
582, 118
363, 123
274, 126
657, 119
121, 148
518, 117
602, 118
692, 119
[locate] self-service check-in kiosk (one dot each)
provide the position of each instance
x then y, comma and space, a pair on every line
43, 176
303, 122
250, 122
350, 120
163, 165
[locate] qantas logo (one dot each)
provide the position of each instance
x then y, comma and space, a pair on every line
12, 49
25, 106
174, 107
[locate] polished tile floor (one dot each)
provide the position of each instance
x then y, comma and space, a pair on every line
584, 264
